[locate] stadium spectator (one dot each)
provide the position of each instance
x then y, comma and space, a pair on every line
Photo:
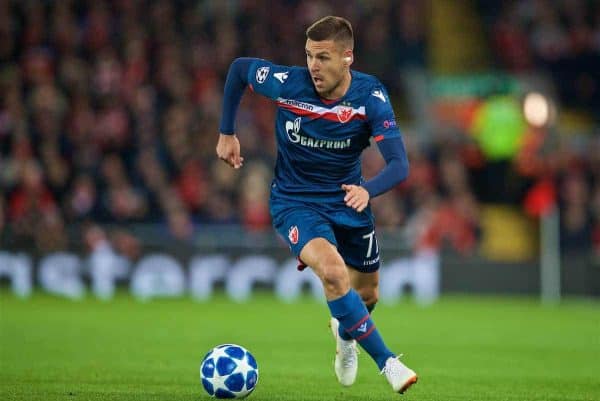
113, 104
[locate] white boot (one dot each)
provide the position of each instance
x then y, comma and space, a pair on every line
398, 375
346, 356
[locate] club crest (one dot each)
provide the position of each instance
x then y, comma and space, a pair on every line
293, 234
344, 114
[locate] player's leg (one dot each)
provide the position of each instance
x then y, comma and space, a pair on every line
359, 249
367, 286
323, 258
344, 302
312, 240
310, 233
311, 237
346, 353
399, 375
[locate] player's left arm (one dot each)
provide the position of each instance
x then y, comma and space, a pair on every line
389, 141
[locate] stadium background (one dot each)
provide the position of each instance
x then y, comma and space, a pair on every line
109, 116
110, 194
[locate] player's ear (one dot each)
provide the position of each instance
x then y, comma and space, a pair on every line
348, 57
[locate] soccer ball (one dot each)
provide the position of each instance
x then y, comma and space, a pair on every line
229, 371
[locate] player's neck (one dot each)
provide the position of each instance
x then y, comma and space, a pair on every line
339, 91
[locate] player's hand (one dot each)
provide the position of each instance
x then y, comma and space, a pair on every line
356, 197
228, 150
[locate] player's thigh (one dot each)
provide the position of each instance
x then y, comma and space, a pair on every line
322, 256
324, 259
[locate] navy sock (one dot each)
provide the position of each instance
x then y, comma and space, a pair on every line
342, 331
352, 314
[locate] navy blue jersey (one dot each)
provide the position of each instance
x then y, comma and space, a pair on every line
319, 142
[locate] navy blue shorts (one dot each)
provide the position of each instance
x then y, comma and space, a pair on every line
351, 232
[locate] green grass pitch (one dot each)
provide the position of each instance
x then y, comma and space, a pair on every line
463, 348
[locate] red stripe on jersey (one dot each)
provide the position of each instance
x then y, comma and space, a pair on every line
328, 116
251, 87
378, 138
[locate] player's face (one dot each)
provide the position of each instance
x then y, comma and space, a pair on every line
328, 70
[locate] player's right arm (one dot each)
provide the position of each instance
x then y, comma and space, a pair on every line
260, 76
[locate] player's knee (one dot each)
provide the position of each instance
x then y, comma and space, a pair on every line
333, 274
335, 279
370, 297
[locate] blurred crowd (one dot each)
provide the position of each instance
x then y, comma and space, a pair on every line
109, 115
558, 38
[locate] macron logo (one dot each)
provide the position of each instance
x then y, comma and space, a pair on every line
379, 94
281, 76
362, 328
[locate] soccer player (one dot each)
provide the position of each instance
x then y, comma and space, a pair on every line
327, 114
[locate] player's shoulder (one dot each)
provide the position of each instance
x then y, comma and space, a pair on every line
276, 80
366, 82
369, 88
282, 73
293, 80
299, 73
